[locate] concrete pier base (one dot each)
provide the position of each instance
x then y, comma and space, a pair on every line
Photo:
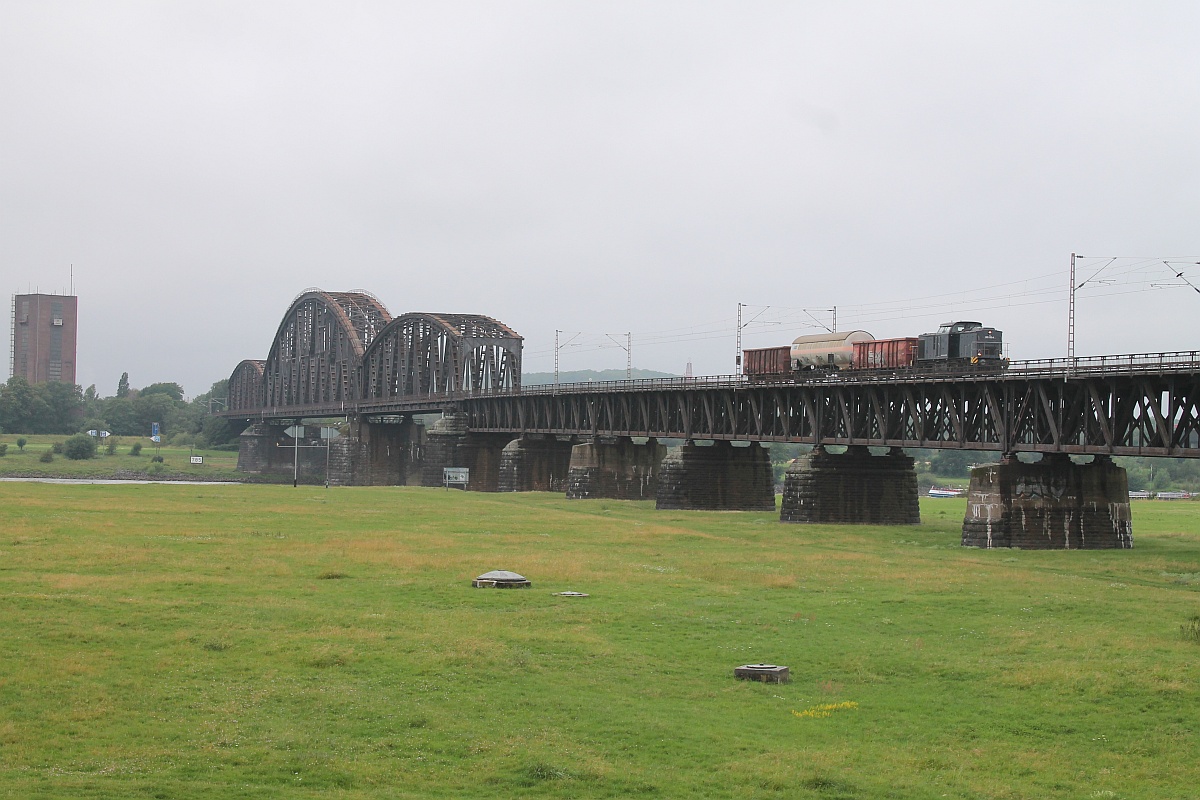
719, 477
615, 468
535, 464
1053, 504
855, 487
448, 443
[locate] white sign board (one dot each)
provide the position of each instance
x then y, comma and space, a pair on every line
458, 476
330, 433
197, 459
296, 431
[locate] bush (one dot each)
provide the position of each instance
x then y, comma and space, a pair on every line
21, 443
80, 447
56, 448
3, 449
156, 459
46, 457
136, 450
1190, 630
111, 447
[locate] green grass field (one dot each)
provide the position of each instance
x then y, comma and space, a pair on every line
218, 465
265, 641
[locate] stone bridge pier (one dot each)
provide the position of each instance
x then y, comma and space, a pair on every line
1052, 504
383, 453
717, 477
855, 487
535, 463
449, 443
614, 467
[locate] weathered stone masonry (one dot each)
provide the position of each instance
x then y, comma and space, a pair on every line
1050, 504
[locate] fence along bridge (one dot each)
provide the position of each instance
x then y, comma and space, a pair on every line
341, 354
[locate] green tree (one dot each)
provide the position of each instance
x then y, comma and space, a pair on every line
172, 390
152, 408
121, 417
23, 409
123, 385
65, 401
79, 447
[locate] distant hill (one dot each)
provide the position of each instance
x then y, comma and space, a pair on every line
589, 375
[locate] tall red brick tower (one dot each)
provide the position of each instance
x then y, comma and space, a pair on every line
43, 337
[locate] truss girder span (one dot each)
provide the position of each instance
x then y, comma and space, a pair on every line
246, 386
1128, 415
441, 354
318, 345
335, 350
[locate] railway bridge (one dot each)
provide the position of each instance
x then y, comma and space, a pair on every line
341, 355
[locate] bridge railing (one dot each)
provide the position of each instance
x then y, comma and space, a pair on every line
1177, 361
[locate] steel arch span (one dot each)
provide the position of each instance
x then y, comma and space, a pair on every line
335, 350
246, 386
441, 354
318, 347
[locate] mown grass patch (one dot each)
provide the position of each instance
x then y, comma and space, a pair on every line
193, 641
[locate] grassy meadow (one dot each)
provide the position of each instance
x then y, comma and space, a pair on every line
218, 464
263, 641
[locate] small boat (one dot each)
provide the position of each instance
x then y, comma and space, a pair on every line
936, 492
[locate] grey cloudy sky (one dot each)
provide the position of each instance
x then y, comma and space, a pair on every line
598, 168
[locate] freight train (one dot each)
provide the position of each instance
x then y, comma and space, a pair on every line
955, 346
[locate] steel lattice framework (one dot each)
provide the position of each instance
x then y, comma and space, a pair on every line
341, 354
441, 354
1156, 415
318, 347
246, 386
335, 350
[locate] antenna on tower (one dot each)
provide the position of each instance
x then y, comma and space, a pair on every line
72, 280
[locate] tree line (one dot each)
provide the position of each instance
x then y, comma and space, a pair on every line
64, 408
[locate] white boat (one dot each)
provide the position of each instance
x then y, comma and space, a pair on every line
936, 492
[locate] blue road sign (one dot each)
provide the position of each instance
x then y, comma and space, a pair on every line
154, 429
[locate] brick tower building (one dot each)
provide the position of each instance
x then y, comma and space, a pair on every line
43, 337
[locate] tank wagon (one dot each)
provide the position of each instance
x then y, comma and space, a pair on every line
961, 346
827, 350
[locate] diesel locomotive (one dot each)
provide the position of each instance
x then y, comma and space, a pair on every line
955, 346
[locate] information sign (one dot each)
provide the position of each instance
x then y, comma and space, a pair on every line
458, 476
154, 430
197, 459
296, 431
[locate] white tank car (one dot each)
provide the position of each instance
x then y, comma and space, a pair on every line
826, 350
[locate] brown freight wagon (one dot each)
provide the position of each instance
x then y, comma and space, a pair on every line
767, 362
885, 354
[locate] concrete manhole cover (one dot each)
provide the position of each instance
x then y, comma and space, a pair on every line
501, 579
767, 673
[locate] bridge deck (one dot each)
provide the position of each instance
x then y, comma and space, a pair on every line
1119, 405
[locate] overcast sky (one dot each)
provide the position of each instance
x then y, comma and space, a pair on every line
599, 168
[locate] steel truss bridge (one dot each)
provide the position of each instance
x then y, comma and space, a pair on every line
343, 355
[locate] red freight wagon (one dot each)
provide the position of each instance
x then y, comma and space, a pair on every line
885, 354
767, 361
